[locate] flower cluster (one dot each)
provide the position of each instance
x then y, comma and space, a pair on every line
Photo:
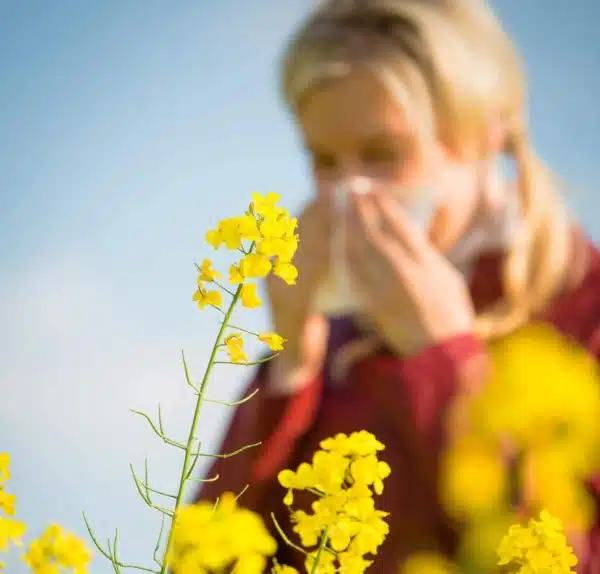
266, 238
57, 551
532, 433
219, 539
428, 563
11, 530
537, 548
344, 476
52, 551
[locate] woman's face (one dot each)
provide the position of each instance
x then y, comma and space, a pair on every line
354, 126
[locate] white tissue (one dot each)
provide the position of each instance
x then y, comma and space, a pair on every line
337, 295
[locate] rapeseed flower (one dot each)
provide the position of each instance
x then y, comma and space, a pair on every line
273, 340
249, 297
11, 530
537, 548
204, 298
207, 273
57, 551
222, 538
428, 563
234, 344
473, 478
344, 476
541, 409
544, 389
266, 238
4, 467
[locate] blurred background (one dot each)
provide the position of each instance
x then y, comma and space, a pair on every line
127, 129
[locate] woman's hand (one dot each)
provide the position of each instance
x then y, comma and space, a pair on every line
291, 305
414, 296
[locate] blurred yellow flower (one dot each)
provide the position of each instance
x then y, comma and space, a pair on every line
541, 408
473, 479
427, 563
56, 550
479, 541
550, 484
10, 531
225, 538
4, 467
283, 569
7, 502
543, 388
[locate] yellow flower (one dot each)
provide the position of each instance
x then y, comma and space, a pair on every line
249, 297
539, 547
550, 484
235, 348
361, 443
207, 273
553, 396
352, 563
248, 227
225, 538
56, 549
286, 271
254, 266
370, 471
373, 531
235, 274
7, 502
273, 340
326, 563
10, 531
250, 564
283, 569
4, 467
473, 478
428, 563
227, 232
479, 541
265, 206
204, 298
344, 476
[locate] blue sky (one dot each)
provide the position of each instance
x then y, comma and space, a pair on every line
128, 129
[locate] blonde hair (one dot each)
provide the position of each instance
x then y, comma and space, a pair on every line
453, 68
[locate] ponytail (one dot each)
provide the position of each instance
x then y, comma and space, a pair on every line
537, 266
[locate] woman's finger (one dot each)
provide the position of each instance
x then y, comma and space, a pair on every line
368, 225
395, 222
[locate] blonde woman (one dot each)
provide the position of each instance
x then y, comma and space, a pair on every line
414, 251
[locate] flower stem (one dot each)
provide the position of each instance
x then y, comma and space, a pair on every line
191, 437
322, 545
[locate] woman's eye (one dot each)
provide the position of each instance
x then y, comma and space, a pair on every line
321, 162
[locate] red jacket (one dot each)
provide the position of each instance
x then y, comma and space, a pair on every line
403, 401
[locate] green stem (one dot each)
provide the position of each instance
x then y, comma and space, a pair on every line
190, 442
322, 545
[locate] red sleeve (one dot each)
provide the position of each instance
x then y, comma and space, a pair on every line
439, 373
